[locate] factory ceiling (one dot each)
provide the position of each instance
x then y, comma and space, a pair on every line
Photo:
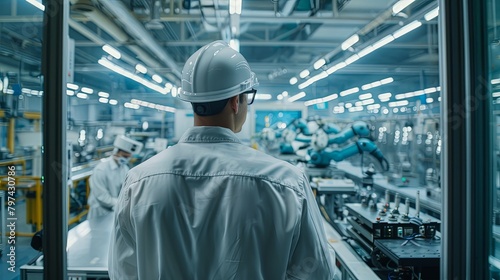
279, 38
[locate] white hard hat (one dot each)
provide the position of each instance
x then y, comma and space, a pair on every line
215, 72
128, 145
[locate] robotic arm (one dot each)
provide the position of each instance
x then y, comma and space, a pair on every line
298, 131
358, 128
323, 157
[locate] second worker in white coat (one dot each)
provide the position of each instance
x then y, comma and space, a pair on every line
108, 176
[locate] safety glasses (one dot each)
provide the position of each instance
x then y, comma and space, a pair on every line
250, 95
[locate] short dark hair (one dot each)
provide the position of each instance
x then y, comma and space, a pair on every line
211, 108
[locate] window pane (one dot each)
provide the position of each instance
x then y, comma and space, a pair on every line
494, 97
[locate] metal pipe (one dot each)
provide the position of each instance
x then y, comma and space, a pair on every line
135, 28
80, 28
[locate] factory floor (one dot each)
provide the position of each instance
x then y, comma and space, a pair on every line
23, 252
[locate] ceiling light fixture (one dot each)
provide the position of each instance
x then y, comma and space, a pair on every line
349, 91
319, 63
386, 95
81, 95
432, 14
351, 59
356, 109
131, 106
373, 106
87, 90
37, 4
336, 67
313, 79
263, 96
401, 5
399, 103
141, 68
115, 68
297, 96
377, 83
157, 78
350, 42
103, 94
365, 96
304, 74
72, 86
112, 51
293, 80
407, 28
382, 42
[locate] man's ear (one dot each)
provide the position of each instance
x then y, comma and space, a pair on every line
235, 103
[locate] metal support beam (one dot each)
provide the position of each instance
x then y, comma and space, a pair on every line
11, 134
467, 141
54, 67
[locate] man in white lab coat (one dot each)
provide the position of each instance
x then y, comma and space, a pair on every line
210, 207
108, 176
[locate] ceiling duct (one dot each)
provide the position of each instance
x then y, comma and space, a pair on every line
140, 34
92, 13
87, 8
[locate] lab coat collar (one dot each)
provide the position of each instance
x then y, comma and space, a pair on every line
113, 163
210, 134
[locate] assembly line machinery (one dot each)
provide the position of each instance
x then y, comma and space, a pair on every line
379, 226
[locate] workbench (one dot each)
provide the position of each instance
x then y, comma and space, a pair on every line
87, 251
381, 184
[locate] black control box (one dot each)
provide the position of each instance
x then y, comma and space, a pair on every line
382, 223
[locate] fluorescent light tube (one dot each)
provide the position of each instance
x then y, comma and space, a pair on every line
401, 5
72, 86
365, 96
141, 68
382, 42
103, 94
432, 14
319, 63
112, 51
407, 28
157, 78
350, 41
87, 90
349, 91
37, 4
304, 74
297, 96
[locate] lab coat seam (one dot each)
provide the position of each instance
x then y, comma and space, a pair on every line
297, 189
217, 140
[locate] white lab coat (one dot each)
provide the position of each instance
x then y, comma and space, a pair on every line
105, 185
212, 208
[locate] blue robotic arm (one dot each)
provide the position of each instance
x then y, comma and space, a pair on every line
358, 128
322, 158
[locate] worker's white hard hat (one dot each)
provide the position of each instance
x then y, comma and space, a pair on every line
128, 145
215, 72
